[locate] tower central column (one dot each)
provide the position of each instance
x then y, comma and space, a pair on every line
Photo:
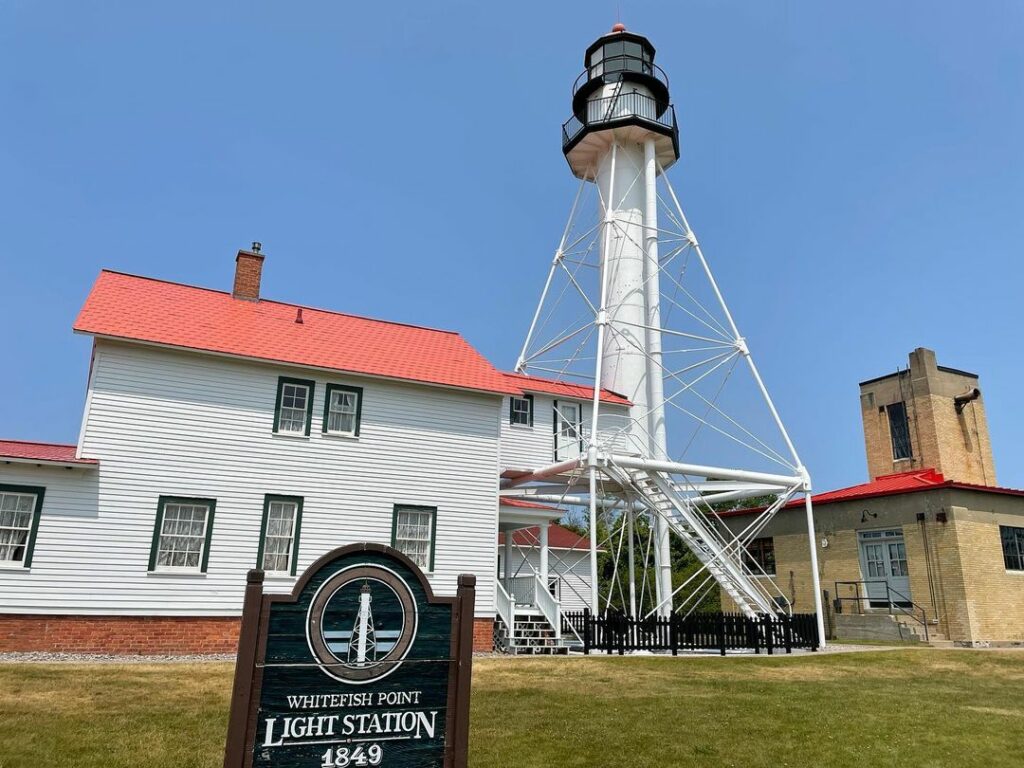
623, 201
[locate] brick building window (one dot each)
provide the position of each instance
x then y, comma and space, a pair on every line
1013, 547
899, 430
760, 556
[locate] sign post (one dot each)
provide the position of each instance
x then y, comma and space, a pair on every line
361, 665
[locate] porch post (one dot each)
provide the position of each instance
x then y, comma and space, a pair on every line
544, 553
508, 563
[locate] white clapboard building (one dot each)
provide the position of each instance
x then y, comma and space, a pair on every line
223, 431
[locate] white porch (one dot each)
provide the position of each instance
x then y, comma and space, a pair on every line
536, 578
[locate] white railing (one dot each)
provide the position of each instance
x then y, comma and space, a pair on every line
522, 590
548, 605
505, 607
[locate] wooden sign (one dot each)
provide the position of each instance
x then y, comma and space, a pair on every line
361, 665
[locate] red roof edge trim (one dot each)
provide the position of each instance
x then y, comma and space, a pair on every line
565, 388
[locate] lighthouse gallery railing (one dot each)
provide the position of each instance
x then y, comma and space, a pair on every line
623, 106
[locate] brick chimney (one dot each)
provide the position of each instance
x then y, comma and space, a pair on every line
248, 272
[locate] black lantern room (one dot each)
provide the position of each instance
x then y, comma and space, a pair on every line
621, 87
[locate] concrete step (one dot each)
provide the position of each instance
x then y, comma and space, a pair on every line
877, 626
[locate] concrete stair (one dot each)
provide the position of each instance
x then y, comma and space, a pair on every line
883, 627
534, 635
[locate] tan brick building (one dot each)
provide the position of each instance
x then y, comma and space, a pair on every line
937, 545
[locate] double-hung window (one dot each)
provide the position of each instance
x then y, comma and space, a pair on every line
520, 410
279, 541
342, 410
19, 521
294, 408
1013, 547
181, 538
412, 534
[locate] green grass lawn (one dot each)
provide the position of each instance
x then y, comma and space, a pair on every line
892, 708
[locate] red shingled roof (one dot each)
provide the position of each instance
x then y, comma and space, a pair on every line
143, 309
558, 538
889, 485
58, 453
563, 388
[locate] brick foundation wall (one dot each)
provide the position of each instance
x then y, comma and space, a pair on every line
483, 635
119, 634
144, 635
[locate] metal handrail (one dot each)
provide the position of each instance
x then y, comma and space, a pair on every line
619, 107
621, 63
889, 592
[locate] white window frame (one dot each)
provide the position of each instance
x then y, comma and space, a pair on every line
19, 497
160, 533
294, 503
397, 539
513, 412
283, 385
331, 410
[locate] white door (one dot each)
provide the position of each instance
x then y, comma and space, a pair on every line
567, 430
883, 556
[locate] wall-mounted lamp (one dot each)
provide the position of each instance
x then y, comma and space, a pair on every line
941, 517
866, 514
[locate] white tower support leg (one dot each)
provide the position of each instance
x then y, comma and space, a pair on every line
815, 579
630, 516
595, 595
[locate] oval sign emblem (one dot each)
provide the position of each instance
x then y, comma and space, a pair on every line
361, 624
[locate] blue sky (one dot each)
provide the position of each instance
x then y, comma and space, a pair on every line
855, 172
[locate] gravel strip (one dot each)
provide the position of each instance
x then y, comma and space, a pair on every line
39, 657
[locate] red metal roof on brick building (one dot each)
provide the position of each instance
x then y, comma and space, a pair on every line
563, 388
890, 485
56, 453
143, 309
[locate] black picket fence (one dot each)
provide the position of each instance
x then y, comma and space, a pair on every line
617, 633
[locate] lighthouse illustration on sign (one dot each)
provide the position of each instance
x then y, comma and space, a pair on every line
631, 306
362, 623
363, 643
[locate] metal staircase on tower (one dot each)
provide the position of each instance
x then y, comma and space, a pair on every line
722, 559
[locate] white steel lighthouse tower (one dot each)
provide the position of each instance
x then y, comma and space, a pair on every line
630, 304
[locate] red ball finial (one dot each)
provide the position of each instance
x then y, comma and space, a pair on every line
619, 27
